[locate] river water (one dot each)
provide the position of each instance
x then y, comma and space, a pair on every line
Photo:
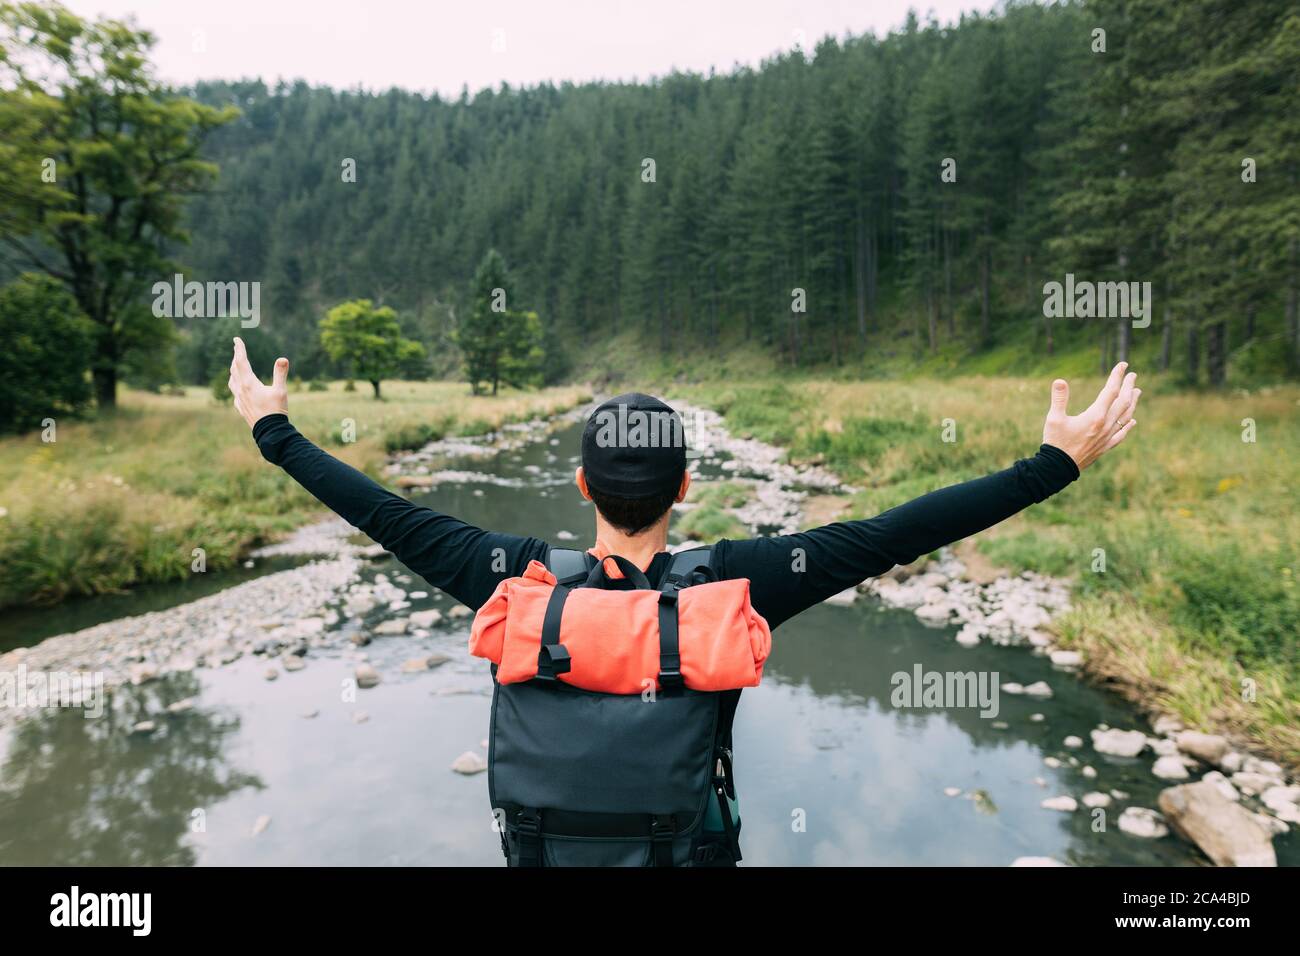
829, 771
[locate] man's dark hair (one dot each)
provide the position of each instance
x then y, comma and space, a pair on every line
632, 515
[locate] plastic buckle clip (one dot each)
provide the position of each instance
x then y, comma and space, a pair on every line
553, 659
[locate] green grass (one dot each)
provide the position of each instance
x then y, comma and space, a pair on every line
125, 498
710, 520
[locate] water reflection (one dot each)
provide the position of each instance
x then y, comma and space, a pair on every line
77, 791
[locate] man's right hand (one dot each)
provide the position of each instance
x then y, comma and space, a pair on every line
1099, 427
253, 400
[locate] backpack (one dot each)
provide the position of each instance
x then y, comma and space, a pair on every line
581, 777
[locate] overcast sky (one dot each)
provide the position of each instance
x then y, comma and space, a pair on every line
432, 45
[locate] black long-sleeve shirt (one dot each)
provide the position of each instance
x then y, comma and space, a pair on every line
788, 573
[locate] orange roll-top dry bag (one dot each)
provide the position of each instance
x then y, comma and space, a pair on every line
600, 639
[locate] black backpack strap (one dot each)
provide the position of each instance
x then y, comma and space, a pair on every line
670, 657
529, 834
684, 569
570, 568
569, 565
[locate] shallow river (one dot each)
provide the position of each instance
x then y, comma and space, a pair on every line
829, 771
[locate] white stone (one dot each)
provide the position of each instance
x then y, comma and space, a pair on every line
1208, 748
1222, 784
1064, 804
1170, 768
426, 618
1119, 743
469, 763
1142, 822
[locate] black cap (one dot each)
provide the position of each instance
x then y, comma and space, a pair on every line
634, 446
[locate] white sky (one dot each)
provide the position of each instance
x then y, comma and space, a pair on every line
435, 45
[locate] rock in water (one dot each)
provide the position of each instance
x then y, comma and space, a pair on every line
1119, 743
843, 598
469, 763
1064, 804
1038, 689
144, 728
1170, 768
1223, 785
1283, 801
291, 662
426, 618
1225, 831
366, 675
395, 625
460, 610
1142, 822
1207, 748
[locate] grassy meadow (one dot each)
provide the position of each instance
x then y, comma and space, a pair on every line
124, 499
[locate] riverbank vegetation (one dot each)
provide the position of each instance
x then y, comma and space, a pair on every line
1195, 611
125, 498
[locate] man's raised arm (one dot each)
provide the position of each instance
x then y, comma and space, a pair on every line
465, 561
791, 573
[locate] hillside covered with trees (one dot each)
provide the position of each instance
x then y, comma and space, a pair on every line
693, 207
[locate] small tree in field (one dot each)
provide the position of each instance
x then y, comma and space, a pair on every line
368, 339
499, 343
48, 343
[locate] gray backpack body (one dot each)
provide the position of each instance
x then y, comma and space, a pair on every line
583, 778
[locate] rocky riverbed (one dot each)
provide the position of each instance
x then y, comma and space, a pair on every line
1227, 801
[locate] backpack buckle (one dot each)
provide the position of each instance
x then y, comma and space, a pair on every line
528, 831
553, 659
